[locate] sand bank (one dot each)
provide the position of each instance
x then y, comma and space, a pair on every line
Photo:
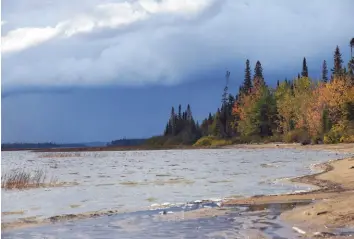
333, 206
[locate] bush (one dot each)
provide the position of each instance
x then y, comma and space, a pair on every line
340, 133
204, 141
297, 136
212, 141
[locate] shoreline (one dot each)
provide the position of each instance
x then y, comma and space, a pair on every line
332, 206
342, 147
335, 187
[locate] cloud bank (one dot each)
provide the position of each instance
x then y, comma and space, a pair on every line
139, 42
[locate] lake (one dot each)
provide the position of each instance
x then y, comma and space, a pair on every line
140, 183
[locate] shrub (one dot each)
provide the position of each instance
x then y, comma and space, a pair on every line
212, 141
342, 132
204, 141
297, 136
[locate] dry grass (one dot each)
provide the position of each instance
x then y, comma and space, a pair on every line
60, 155
20, 179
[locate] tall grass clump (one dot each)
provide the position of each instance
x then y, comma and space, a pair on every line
21, 179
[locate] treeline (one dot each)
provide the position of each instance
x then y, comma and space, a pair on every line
127, 142
181, 129
300, 110
11, 146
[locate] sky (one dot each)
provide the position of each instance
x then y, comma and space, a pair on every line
98, 70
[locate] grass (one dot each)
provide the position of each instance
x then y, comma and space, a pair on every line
60, 155
21, 179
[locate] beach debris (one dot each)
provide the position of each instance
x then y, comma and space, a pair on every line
298, 230
164, 212
320, 213
323, 234
352, 167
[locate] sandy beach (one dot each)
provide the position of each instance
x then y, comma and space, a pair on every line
334, 200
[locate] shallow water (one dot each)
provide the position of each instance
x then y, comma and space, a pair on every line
134, 180
235, 223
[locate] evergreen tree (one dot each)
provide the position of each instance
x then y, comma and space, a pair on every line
167, 130
225, 93
180, 112
247, 83
338, 61
298, 75
324, 72
173, 121
216, 124
305, 72
189, 114
258, 80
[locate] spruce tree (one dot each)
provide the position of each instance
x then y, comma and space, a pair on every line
225, 93
173, 121
180, 112
189, 113
247, 83
258, 80
338, 61
324, 72
305, 72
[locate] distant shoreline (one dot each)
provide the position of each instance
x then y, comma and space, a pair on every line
342, 147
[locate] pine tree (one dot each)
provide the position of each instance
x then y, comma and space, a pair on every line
338, 61
216, 124
167, 130
189, 114
225, 93
258, 80
305, 72
351, 47
180, 112
298, 75
173, 121
247, 83
324, 72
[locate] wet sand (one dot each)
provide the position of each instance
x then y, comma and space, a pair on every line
332, 213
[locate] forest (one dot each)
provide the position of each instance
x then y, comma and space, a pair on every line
301, 110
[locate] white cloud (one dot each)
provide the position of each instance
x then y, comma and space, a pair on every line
162, 41
23, 38
108, 15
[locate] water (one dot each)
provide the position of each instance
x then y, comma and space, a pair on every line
135, 180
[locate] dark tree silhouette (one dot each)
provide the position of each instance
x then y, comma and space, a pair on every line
338, 61
324, 72
247, 83
305, 72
